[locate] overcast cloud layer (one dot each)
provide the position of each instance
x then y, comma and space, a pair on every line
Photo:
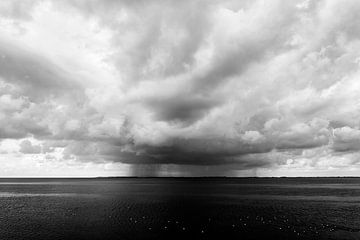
179, 88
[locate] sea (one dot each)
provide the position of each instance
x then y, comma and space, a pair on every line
180, 208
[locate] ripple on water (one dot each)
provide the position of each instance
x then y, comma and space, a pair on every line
15, 194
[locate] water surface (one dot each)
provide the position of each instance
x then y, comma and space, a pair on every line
179, 208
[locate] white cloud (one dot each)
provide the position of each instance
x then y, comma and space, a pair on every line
253, 136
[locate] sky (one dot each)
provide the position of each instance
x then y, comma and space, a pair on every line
179, 88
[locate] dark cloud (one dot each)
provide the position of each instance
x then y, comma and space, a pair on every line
182, 109
346, 139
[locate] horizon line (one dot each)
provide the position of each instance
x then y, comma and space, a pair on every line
112, 177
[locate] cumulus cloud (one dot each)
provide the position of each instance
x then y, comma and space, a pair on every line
346, 139
28, 148
234, 87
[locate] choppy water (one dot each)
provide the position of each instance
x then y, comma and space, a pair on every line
133, 208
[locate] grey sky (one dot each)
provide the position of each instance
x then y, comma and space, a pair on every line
179, 88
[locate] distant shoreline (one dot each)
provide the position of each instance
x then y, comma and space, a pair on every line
150, 177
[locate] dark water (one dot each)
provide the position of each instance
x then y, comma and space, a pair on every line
130, 208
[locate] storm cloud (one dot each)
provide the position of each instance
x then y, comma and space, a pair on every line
180, 88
